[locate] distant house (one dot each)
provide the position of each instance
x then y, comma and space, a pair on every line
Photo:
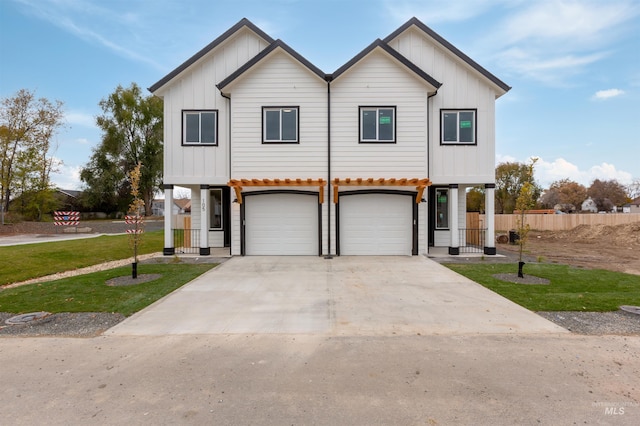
69, 199
632, 207
179, 206
589, 205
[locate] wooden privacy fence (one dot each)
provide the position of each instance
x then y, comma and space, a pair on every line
562, 222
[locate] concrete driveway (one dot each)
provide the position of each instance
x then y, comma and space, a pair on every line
345, 296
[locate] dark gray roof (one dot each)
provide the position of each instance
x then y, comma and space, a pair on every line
244, 22
451, 48
70, 192
256, 59
394, 53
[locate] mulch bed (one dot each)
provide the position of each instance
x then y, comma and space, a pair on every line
127, 280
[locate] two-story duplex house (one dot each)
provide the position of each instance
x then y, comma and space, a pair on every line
374, 158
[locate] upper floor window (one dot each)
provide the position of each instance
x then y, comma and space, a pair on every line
458, 127
200, 127
378, 124
280, 125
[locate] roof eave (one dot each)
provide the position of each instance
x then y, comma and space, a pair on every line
244, 22
393, 53
438, 38
277, 44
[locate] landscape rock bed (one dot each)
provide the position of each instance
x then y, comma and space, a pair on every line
84, 324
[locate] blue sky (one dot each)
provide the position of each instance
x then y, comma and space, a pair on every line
574, 65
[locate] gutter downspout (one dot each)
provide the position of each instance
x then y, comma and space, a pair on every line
228, 98
429, 135
328, 78
428, 233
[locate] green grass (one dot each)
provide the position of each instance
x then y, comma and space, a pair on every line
23, 262
571, 289
89, 293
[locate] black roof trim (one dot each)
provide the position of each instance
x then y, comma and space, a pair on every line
415, 21
395, 54
244, 22
273, 46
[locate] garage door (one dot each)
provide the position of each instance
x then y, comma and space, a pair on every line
376, 224
281, 224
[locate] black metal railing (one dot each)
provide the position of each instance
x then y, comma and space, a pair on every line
472, 240
186, 241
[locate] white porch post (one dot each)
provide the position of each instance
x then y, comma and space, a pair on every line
169, 248
454, 249
490, 218
204, 221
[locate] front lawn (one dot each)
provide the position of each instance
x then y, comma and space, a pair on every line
23, 262
571, 289
90, 293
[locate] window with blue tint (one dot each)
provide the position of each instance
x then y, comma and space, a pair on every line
200, 127
458, 127
377, 124
280, 125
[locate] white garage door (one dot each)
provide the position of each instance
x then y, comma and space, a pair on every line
376, 224
281, 224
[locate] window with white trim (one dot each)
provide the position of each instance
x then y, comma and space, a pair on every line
280, 125
458, 127
200, 127
442, 208
377, 124
215, 205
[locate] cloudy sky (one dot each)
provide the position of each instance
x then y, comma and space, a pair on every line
574, 65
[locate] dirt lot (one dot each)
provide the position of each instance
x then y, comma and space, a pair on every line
615, 248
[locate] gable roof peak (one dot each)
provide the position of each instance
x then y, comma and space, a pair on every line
381, 44
450, 47
243, 23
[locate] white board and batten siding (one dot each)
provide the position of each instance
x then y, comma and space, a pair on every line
195, 89
464, 88
378, 80
281, 81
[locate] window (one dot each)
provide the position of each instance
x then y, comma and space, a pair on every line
378, 124
442, 208
280, 124
215, 204
200, 127
458, 127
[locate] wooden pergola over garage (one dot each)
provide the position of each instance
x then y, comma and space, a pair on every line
420, 184
238, 184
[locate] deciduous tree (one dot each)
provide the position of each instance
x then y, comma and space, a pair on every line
132, 133
564, 192
607, 194
27, 128
510, 177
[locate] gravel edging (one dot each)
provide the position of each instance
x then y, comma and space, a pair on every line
82, 324
91, 324
596, 323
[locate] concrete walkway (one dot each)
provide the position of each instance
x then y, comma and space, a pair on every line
346, 296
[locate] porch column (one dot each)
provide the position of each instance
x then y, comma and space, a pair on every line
454, 249
204, 221
490, 218
169, 248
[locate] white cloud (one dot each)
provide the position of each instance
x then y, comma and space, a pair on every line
80, 118
436, 11
112, 28
607, 94
553, 40
67, 177
547, 172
